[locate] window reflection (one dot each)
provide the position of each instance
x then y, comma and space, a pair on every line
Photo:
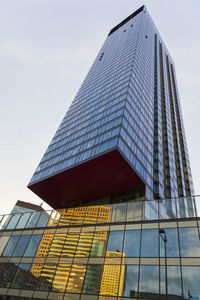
131, 281
66, 216
20, 276
174, 280
93, 279
172, 243
132, 243
115, 241
57, 244
70, 244
191, 282
23, 220
3, 242
105, 212
61, 277
99, 244
33, 220
10, 246
149, 243
76, 278
21, 246
45, 282
149, 280
167, 209
43, 219
112, 280
119, 213
135, 211
7, 274
13, 220
84, 244
44, 245
150, 210
189, 242
33, 245
91, 215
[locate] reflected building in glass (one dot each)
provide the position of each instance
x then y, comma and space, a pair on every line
124, 223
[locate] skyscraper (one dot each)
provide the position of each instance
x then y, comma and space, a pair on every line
123, 133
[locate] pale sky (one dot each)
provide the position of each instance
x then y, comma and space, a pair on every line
46, 50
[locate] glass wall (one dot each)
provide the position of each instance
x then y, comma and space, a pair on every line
113, 213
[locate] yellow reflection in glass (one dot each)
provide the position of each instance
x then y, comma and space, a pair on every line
57, 244
99, 243
76, 278
42, 251
112, 281
61, 277
84, 244
104, 214
70, 244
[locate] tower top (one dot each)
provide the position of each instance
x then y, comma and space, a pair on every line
142, 8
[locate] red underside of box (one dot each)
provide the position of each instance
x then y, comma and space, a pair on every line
100, 177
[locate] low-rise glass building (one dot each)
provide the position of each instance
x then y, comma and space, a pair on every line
106, 251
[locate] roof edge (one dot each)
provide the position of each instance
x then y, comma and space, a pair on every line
127, 19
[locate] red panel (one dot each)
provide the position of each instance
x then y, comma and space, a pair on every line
100, 177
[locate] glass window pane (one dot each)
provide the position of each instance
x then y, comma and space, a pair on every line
172, 243
84, 244
119, 213
167, 209
46, 278
132, 243
114, 246
23, 220
190, 204
7, 273
99, 243
33, 220
105, 213
131, 281
91, 215
174, 280
21, 246
57, 244
150, 210
33, 276
10, 246
189, 242
5, 220
135, 211
149, 243
20, 276
181, 208
44, 245
66, 216
79, 215
191, 282
110, 280
3, 242
93, 279
61, 277
43, 219
13, 221
70, 244
76, 278
33, 245
149, 280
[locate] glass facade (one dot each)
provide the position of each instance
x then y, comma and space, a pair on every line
101, 254
128, 102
